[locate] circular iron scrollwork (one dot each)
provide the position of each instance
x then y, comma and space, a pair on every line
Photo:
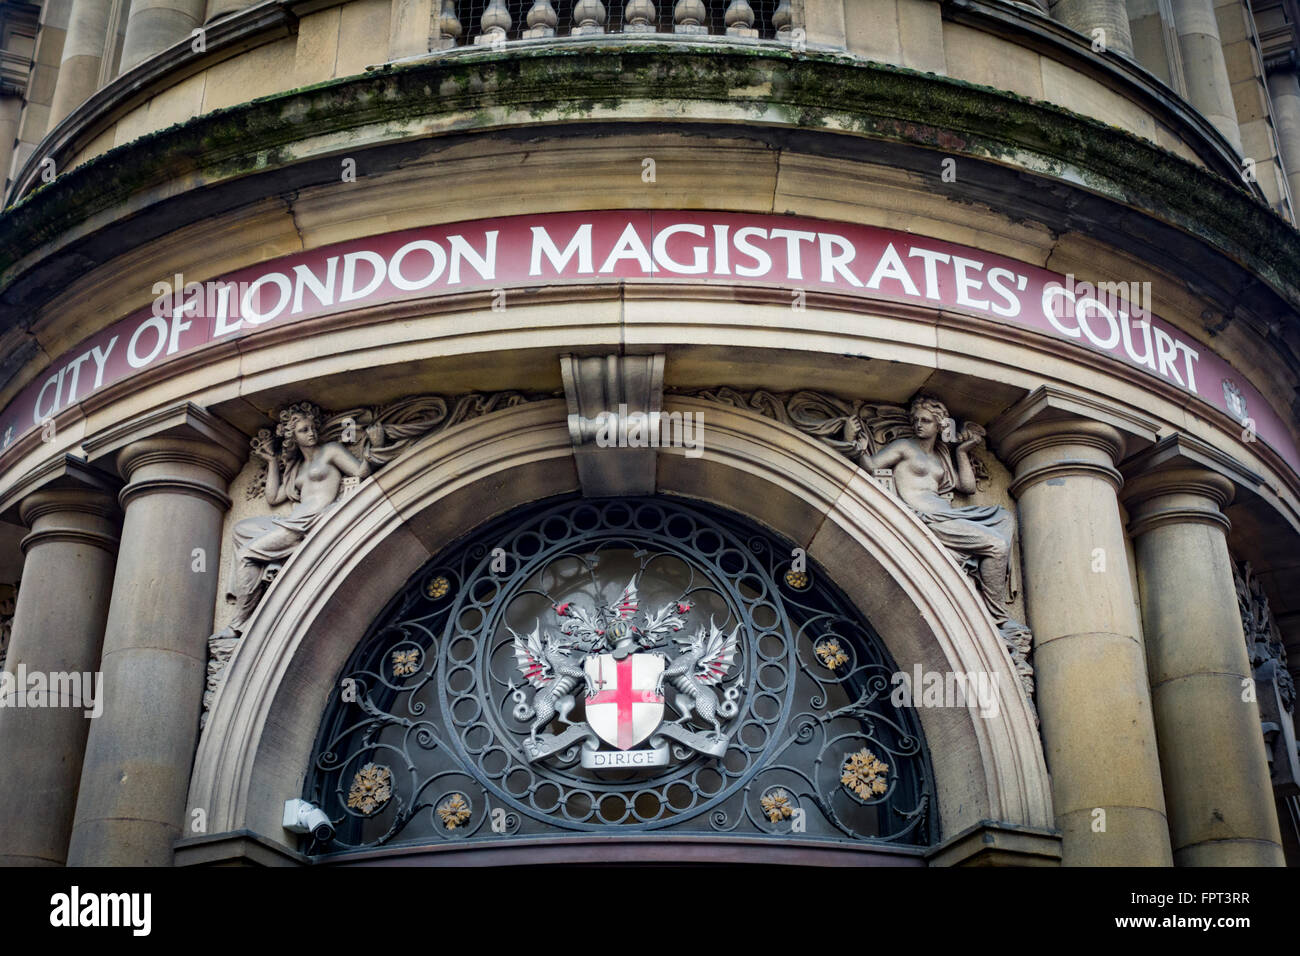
620, 665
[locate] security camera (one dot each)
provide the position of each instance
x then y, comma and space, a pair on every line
303, 817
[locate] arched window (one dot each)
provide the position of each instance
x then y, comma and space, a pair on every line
620, 666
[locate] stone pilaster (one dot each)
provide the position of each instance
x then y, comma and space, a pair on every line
1093, 700
1204, 68
1087, 16
1212, 759
58, 627
154, 25
177, 464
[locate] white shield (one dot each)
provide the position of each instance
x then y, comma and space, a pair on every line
626, 710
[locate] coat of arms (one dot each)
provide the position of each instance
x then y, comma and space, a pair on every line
624, 662
1234, 400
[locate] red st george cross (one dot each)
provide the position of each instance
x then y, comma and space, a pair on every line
625, 695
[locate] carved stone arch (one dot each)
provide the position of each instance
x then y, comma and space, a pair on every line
257, 746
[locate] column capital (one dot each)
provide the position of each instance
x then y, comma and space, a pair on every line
1182, 479
79, 515
183, 420
64, 499
61, 472
1054, 433
180, 447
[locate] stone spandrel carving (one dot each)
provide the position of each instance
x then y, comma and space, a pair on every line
314, 460
921, 455
1274, 685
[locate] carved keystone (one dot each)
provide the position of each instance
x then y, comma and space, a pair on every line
614, 404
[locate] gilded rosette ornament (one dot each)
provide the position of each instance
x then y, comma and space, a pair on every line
863, 774
371, 788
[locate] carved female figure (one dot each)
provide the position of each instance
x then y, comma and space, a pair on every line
926, 474
306, 472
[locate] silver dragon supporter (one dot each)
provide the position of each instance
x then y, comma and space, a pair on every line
624, 673
307, 472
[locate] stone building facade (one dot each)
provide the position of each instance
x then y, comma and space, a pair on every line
518, 430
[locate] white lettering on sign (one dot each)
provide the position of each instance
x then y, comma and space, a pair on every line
1113, 318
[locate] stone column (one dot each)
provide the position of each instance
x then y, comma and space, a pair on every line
1284, 92
1093, 698
83, 52
1204, 68
1089, 15
58, 627
1212, 759
154, 25
131, 807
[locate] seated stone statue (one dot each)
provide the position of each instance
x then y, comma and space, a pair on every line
306, 472
926, 475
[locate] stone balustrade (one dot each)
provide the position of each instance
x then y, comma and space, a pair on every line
484, 22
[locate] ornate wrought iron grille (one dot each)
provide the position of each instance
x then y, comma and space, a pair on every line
427, 738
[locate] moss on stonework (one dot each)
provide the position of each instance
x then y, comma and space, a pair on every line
811, 91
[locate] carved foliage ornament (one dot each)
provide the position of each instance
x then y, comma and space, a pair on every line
879, 437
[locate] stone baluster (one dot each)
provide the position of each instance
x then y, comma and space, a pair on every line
446, 27
739, 19
783, 20
588, 17
639, 16
690, 16
495, 23
541, 20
